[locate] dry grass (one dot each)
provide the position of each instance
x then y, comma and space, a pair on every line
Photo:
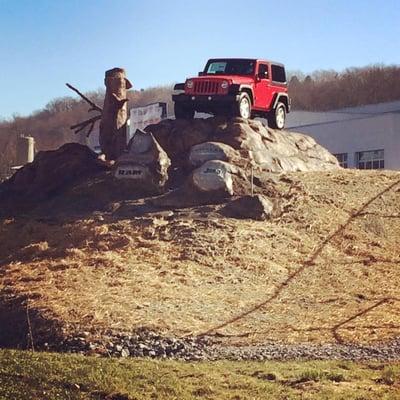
190, 274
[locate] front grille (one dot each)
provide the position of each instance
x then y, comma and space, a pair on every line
206, 87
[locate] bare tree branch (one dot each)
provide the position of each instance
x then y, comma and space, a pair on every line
86, 122
94, 107
82, 125
90, 129
91, 126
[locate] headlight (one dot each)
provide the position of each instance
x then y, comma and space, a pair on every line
224, 85
189, 84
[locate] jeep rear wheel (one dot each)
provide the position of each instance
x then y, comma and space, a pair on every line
183, 112
243, 106
277, 117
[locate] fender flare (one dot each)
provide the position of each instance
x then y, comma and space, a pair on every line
237, 88
179, 86
278, 97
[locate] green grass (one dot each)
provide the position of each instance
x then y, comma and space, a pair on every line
26, 375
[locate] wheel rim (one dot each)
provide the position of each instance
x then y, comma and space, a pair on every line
280, 117
244, 108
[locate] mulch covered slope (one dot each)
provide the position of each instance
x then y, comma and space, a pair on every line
326, 270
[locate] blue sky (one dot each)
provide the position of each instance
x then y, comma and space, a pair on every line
45, 43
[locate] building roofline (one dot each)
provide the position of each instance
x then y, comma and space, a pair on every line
365, 116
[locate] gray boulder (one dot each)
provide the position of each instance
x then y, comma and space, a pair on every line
212, 183
274, 150
203, 152
214, 176
145, 164
256, 207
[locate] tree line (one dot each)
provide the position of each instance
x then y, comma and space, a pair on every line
330, 90
319, 91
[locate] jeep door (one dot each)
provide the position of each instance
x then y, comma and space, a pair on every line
262, 85
278, 79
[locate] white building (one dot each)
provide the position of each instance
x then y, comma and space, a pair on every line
366, 137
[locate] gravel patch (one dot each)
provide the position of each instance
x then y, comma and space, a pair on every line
147, 343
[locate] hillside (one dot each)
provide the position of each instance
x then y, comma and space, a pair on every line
325, 271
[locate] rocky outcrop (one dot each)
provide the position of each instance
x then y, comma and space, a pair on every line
220, 157
203, 161
254, 144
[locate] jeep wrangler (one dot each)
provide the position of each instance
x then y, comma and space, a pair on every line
242, 87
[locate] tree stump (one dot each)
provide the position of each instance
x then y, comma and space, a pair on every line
114, 115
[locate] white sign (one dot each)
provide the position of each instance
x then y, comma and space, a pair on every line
140, 117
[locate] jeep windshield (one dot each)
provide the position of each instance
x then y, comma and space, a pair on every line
230, 67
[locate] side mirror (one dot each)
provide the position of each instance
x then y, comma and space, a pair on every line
262, 75
201, 73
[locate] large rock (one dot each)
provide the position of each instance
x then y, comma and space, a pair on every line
214, 177
203, 152
53, 170
176, 137
145, 164
274, 150
256, 207
215, 182
270, 150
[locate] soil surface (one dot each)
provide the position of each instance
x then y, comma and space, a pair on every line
319, 281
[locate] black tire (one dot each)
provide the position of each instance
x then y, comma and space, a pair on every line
277, 117
183, 112
243, 107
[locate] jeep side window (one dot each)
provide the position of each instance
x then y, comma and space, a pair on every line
278, 73
263, 71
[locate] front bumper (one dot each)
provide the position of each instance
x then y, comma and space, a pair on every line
206, 102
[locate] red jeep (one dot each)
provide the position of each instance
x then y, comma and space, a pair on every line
242, 87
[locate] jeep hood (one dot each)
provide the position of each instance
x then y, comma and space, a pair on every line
238, 79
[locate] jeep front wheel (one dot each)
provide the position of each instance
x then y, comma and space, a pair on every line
277, 117
243, 106
183, 112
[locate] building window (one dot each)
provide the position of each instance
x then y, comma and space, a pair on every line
373, 159
342, 158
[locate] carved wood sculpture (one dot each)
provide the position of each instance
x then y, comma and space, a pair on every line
113, 116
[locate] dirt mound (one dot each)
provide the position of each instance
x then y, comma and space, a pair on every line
52, 170
49, 174
321, 266
325, 271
